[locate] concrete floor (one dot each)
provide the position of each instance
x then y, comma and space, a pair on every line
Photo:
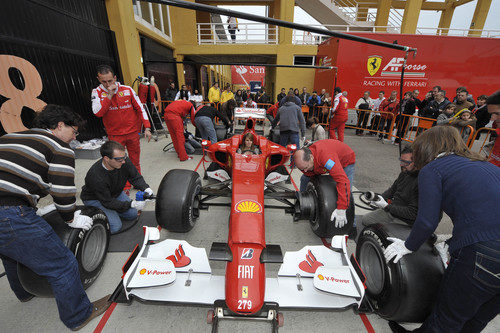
376, 168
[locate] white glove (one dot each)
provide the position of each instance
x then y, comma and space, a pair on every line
148, 191
81, 221
396, 250
442, 249
44, 210
139, 205
380, 202
339, 217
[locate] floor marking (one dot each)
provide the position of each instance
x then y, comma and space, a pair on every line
196, 169
366, 321
105, 318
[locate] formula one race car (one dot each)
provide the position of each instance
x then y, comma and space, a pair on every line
174, 271
315, 277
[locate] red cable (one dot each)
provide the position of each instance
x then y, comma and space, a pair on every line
105, 318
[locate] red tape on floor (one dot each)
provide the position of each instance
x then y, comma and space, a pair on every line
366, 321
105, 318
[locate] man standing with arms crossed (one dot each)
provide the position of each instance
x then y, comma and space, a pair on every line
122, 113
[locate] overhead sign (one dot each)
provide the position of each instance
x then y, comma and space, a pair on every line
243, 75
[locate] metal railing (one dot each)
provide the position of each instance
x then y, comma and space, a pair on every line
307, 38
350, 8
247, 33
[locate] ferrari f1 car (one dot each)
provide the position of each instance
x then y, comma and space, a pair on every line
314, 277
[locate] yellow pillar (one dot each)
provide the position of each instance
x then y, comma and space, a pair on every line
180, 70
383, 10
410, 17
286, 8
480, 14
184, 32
446, 16
122, 22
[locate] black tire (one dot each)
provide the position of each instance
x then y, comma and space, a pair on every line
325, 192
89, 247
405, 291
177, 200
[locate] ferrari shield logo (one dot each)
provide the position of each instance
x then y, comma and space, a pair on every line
244, 292
373, 64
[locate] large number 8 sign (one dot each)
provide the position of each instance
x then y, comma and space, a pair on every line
10, 111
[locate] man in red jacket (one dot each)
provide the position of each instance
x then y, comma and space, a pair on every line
175, 113
493, 103
338, 160
389, 109
122, 113
338, 116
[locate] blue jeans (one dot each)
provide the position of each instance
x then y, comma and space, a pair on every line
289, 136
114, 218
469, 293
191, 145
206, 127
27, 238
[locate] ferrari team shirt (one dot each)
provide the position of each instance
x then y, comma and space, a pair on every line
332, 156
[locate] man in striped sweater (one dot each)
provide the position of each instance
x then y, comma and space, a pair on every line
35, 163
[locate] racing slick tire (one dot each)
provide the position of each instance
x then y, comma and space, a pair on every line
325, 192
89, 247
177, 200
404, 291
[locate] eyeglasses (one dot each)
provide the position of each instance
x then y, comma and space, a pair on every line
75, 132
120, 159
405, 161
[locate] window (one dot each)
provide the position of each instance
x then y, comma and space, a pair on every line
303, 60
157, 17
166, 20
153, 15
145, 13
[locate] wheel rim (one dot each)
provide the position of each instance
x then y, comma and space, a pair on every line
314, 219
93, 251
373, 266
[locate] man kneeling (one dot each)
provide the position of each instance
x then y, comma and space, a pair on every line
402, 196
104, 184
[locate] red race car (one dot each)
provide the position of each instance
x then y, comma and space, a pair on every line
315, 277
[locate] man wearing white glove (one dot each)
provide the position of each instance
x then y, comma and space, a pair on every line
337, 160
399, 203
26, 237
104, 186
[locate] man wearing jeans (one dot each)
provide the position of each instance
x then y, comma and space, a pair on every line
338, 160
204, 121
35, 163
104, 186
291, 122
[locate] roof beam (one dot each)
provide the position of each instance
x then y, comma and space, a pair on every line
428, 5
461, 2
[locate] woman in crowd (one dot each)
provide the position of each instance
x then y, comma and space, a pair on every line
238, 97
196, 97
296, 92
466, 188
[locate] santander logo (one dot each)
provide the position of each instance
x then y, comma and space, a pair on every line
310, 265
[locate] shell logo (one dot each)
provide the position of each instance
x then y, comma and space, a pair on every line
321, 277
143, 271
248, 206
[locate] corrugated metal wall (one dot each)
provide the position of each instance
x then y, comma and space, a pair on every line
65, 40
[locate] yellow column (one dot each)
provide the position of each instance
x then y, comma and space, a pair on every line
180, 70
446, 16
410, 17
122, 22
383, 10
285, 13
184, 31
480, 14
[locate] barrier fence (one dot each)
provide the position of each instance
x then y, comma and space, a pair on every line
405, 127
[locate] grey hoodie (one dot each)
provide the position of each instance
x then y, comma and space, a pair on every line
290, 118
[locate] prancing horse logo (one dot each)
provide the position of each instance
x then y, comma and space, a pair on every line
373, 64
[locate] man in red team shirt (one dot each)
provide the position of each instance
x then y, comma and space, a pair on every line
338, 117
175, 113
493, 103
332, 157
122, 113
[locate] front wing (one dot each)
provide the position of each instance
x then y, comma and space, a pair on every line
174, 271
